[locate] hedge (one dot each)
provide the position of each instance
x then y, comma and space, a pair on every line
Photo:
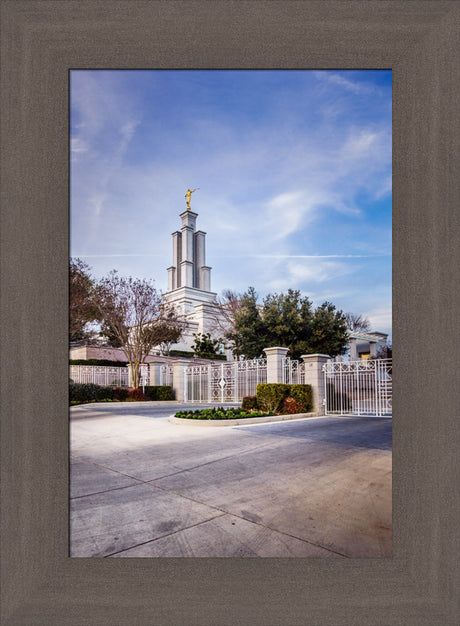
185, 353
249, 402
159, 392
272, 396
88, 392
106, 362
303, 395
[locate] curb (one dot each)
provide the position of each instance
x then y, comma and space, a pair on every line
181, 421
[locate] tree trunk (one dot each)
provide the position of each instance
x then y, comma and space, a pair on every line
134, 369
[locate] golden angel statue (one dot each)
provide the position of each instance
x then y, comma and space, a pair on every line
188, 195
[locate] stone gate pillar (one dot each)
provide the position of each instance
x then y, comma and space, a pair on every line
154, 372
179, 379
314, 376
275, 358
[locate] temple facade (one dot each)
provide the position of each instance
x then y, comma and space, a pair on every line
189, 282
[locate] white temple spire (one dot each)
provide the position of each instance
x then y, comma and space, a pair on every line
189, 267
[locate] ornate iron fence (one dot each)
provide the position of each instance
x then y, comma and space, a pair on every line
224, 382
293, 372
100, 375
359, 387
166, 375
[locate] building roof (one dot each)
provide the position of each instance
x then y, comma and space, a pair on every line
369, 337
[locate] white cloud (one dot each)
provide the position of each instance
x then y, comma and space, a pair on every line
78, 145
380, 319
358, 88
317, 270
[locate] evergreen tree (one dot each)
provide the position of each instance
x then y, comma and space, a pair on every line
204, 346
250, 329
329, 331
288, 320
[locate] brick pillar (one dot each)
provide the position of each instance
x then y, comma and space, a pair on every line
179, 379
275, 358
314, 376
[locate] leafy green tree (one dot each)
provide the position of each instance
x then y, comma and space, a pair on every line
250, 334
329, 331
82, 312
288, 318
204, 346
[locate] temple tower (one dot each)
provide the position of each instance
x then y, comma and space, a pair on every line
189, 267
189, 281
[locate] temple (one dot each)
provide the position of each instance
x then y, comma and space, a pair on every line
189, 281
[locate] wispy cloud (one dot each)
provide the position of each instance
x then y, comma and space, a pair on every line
78, 145
358, 88
315, 256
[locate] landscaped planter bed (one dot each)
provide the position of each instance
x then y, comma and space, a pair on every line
220, 413
239, 421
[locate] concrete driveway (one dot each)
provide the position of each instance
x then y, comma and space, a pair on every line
143, 487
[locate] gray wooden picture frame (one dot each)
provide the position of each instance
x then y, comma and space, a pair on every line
41, 41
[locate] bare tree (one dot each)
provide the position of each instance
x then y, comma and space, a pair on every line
170, 329
384, 352
223, 319
357, 323
132, 309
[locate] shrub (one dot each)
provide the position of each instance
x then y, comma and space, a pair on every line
136, 395
159, 392
249, 403
88, 392
120, 393
292, 406
270, 396
219, 413
303, 395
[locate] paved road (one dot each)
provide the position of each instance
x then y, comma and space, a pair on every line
143, 487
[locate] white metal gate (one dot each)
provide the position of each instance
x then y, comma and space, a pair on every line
359, 387
224, 382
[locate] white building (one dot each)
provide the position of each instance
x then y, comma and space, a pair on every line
189, 283
366, 345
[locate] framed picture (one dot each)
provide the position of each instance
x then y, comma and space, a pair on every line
41, 43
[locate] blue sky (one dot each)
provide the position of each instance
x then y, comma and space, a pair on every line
294, 171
